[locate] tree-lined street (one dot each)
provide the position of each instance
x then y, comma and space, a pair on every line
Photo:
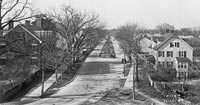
95, 76
67, 55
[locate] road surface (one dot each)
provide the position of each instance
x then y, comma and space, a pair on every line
95, 77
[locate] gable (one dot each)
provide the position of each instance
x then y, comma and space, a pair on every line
168, 40
18, 31
30, 33
173, 40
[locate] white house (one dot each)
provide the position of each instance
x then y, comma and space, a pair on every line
174, 52
147, 43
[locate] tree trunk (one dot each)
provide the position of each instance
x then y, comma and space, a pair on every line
56, 74
1, 30
42, 90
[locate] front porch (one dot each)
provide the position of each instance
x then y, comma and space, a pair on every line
182, 65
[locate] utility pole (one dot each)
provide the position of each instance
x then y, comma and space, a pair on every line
133, 62
41, 68
124, 60
136, 68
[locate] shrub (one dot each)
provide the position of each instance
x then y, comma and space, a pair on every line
164, 75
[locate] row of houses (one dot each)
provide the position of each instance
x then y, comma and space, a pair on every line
26, 39
170, 51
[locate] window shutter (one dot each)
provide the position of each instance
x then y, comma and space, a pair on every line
171, 44
159, 53
163, 53
184, 53
179, 53
167, 53
172, 54
177, 44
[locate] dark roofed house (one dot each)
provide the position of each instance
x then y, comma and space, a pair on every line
22, 40
25, 39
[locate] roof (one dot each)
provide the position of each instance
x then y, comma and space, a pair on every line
30, 29
166, 40
183, 59
158, 38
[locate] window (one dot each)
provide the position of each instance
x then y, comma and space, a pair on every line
161, 54
171, 44
183, 74
185, 66
33, 60
182, 53
181, 65
169, 64
2, 61
33, 48
169, 53
176, 44
18, 34
161, 64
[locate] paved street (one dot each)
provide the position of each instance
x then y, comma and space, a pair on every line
95, 77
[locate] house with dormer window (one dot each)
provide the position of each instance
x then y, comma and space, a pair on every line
174, 53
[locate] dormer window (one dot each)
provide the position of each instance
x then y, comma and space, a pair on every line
171, 44
176, 44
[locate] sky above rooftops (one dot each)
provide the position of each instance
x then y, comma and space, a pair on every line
147, 13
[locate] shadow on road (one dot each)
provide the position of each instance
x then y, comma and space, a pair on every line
92, 68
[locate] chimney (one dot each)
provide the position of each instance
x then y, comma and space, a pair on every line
39, 22
27, 22
10, 25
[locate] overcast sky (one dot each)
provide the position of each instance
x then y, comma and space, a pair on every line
148, 13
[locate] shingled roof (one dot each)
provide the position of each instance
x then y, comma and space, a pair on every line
183, 59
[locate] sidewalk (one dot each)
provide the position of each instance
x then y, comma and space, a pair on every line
129, 84
36, 91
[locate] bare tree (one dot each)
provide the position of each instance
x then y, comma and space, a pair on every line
14, 11
127, 35
165, 28
75, 27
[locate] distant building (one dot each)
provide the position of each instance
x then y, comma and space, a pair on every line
147, 42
